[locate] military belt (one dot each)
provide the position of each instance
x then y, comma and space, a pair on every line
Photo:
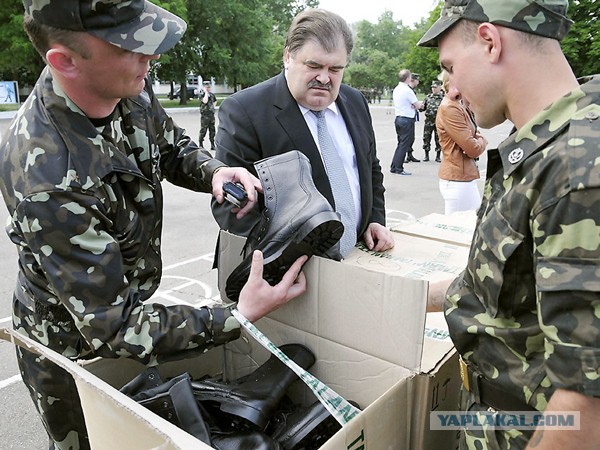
52, 313
488, 393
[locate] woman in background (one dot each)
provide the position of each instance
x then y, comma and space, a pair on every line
461, 144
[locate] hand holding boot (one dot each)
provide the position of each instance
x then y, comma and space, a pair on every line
258, 298
236, 174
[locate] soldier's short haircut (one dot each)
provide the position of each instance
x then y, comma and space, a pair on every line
43, 37
322, 26
468, 31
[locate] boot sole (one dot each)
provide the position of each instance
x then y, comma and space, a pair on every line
314, 237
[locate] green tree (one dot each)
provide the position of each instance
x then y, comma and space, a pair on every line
18, 59
377, 53
384, 48
387, 35
283, 11
424, 61
582, 45
376, 70
182, 59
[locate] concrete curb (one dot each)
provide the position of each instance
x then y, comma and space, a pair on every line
7, 114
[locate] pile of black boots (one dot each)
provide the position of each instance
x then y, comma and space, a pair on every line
296, 220
251, 413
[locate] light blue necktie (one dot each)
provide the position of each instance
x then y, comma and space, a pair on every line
340, 186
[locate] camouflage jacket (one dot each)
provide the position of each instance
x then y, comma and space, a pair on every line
431, 104
526, 311
85, 205
208, 107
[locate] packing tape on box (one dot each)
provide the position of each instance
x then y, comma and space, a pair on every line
337, 405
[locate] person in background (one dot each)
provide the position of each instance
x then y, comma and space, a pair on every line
406, 105
415, 79
461, 143
430, 106
80, 173
208, 103
282, 114
524, 314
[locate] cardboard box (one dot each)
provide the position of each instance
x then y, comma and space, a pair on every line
456, 228
116, 421
363, 318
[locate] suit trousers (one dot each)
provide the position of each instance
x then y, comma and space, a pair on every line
405, 131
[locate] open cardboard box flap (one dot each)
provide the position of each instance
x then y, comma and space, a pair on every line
117, 419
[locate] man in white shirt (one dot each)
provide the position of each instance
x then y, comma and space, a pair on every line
406, 105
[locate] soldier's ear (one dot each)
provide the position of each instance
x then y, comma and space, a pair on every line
489, 37
62, 59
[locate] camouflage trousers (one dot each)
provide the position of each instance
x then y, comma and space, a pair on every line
207, 123
489, 438
51, 388
428, 130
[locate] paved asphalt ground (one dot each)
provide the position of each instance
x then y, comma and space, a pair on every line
188, 245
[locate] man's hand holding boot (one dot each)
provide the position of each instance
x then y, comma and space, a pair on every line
258, 298
236, 174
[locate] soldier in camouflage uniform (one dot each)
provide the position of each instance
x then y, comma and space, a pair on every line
525, 314
208, 102
80, 173
430, 106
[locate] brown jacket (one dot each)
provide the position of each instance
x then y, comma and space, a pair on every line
460, 142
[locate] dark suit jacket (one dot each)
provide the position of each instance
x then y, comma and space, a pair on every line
265, 120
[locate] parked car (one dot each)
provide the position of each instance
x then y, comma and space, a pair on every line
192, 91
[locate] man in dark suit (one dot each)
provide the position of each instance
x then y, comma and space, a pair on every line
276, 116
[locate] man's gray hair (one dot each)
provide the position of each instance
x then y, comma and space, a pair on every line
322, 26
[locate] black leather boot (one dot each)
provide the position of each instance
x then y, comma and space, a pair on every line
173, 401
245, 440
256, 396
297, 220
411, 158
426, 155
310, 427
438, 156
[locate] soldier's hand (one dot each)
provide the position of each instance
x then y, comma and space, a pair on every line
240, 175
258, 298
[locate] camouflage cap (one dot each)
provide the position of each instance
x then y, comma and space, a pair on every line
415, 76
542, 17
136, 25
435, 83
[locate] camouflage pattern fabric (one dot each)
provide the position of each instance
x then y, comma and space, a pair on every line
542, 17
430, 105
54, 395
208, 107
525, 312
489, 438
135, 25
85, 206
207, 120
